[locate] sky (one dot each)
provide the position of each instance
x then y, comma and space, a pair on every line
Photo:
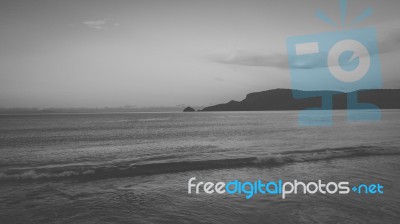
96, 53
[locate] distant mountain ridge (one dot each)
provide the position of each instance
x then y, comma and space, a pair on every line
282, 99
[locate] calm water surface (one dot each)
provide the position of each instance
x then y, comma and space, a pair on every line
134, 167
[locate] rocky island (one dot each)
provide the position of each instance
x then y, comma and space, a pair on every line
189, 109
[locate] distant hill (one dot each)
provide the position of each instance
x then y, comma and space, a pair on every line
126, 109
282, 99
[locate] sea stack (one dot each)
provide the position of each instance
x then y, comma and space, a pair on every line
189, 109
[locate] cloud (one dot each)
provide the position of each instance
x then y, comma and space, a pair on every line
389, 42
250, 59
100, 24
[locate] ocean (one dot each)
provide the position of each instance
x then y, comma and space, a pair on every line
135, 167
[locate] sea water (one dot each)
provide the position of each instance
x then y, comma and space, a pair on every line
135, 167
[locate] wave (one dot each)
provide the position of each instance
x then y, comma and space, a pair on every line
155, 119
115, 121
105, 171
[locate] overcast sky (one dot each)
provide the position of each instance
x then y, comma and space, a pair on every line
95, 53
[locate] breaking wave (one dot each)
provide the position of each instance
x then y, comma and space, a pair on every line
105, 171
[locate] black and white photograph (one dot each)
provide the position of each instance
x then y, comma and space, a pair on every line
199, 111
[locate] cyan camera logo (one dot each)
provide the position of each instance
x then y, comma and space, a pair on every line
341, 61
